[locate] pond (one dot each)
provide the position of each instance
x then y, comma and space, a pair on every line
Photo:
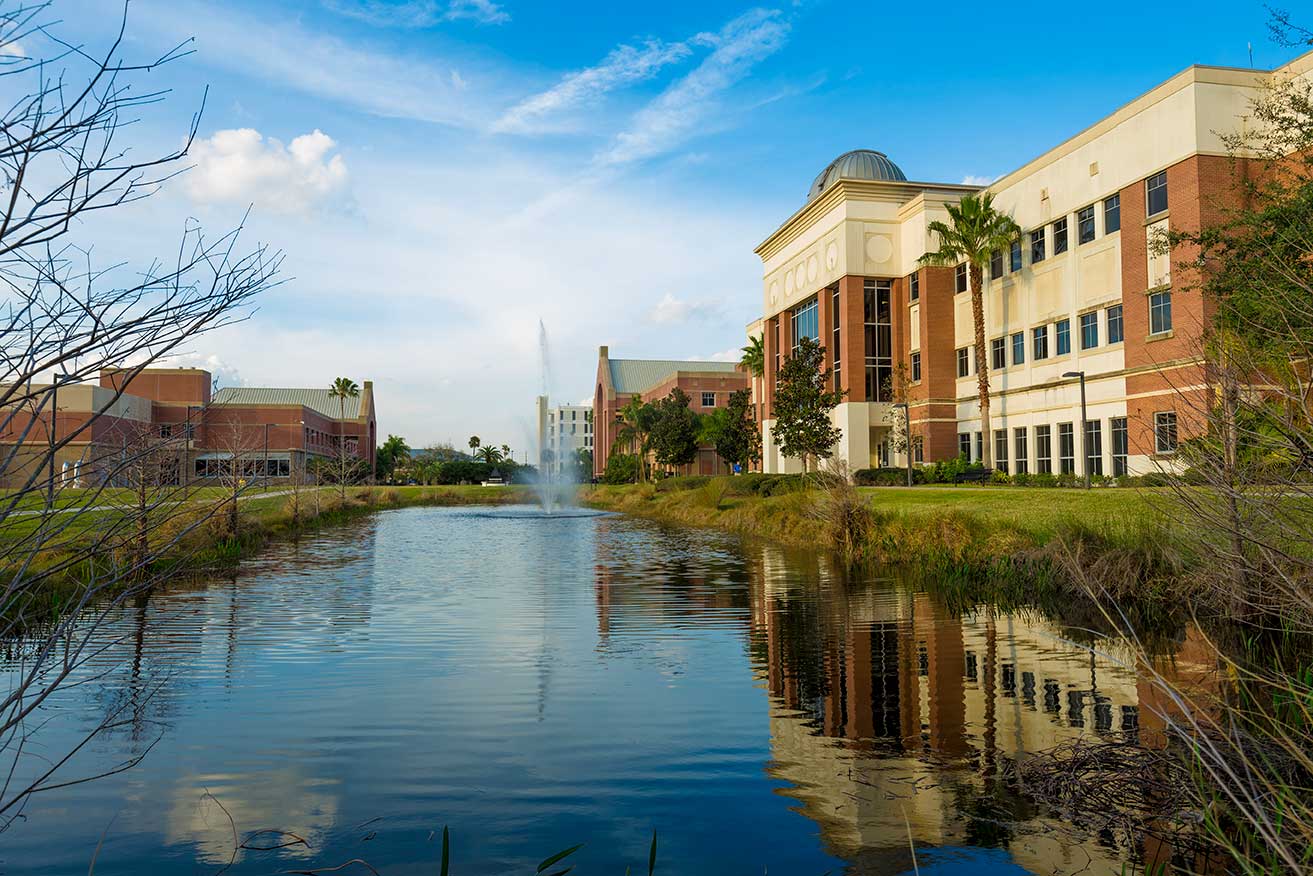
534, 683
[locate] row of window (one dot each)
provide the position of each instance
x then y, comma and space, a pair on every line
250, 468
1054, 238
1019, 460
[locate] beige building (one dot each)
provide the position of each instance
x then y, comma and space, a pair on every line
1082, 291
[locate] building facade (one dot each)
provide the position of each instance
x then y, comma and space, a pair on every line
1084, 291
707, 384
258, 432
563, 431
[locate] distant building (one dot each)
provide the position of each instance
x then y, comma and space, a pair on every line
707, 384
270, 432
563, 431
1083, 291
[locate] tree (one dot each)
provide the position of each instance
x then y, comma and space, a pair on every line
738, 440
342, 389
64, 158
390, 453
675, 430
583, 461
803, 403
489, 454
506, 451
474, 445
634, 433
974, 232
754, 356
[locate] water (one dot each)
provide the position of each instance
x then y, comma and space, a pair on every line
535, 682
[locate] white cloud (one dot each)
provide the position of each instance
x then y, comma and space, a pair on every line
972, 179
224, 374
586, 403
420, 13
673, 311
241, 166
625, 65
733, 354
683, 108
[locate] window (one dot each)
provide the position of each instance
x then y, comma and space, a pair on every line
918, 449
1018, 348
1022, 454
166, 430
1094, 447
835, 347
1066, 448
805, 323
1115, 324
708, 399
1040, 342
1001, 449
996, 264
1155, 193
1160, 312
916, 365
1060, 236
1117, 426
776, 322
1043, 450
1014, 256
1085, 224
980, 448
1037, 246
1062, 336
1089, 330
1164, 432
913, 286
998, 353
1112, 214
963, 362
964, 445
877, 312
960, 277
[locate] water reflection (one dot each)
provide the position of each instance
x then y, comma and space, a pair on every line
535, 682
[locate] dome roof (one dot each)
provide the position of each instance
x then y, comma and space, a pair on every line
858, 164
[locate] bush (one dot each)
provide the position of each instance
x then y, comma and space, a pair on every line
761, 484
886, 477
1022, 479
621, 468
1044, 479
1069, 479
999, 477
675, 483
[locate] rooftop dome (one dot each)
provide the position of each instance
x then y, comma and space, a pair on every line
858, 164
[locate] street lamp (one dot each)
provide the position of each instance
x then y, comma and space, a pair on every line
907, 437
1084, 426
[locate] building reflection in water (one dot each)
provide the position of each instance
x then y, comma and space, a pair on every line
889, 714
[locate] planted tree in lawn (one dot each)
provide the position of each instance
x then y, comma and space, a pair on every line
675, 431
974, 232
65, 168
803, 402
738, 440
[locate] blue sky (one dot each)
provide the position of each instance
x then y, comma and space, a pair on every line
444, 174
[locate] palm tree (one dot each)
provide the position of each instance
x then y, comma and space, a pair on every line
489, 454
391, 452
974, 232
474, 445
754, 356
632, 432
342, 389
506, 451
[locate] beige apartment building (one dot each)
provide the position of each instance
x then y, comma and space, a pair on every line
1083, 291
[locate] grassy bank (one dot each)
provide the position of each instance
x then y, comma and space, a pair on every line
1019, 538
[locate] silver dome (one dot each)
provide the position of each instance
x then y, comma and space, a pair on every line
858, 164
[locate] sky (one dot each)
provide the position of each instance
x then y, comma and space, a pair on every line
444, 175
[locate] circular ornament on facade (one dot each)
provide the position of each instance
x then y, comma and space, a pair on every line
800, 277
879, 248
831, 257
813, 268
774, 292
788, 283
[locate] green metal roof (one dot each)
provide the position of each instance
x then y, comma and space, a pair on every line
640, 375
317, 400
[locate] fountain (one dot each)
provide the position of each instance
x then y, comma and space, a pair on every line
556, 488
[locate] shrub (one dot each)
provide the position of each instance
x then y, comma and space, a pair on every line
675, 483
1044, 479
1022, 479
999, 477
886, 477
1069, 479
621, 468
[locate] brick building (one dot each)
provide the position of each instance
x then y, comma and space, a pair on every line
1083, 291
707, 384
270, 431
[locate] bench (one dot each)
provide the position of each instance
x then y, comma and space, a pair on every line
975, 475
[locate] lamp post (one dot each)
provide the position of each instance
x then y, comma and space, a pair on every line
1084, 426
907, 437
265, 478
